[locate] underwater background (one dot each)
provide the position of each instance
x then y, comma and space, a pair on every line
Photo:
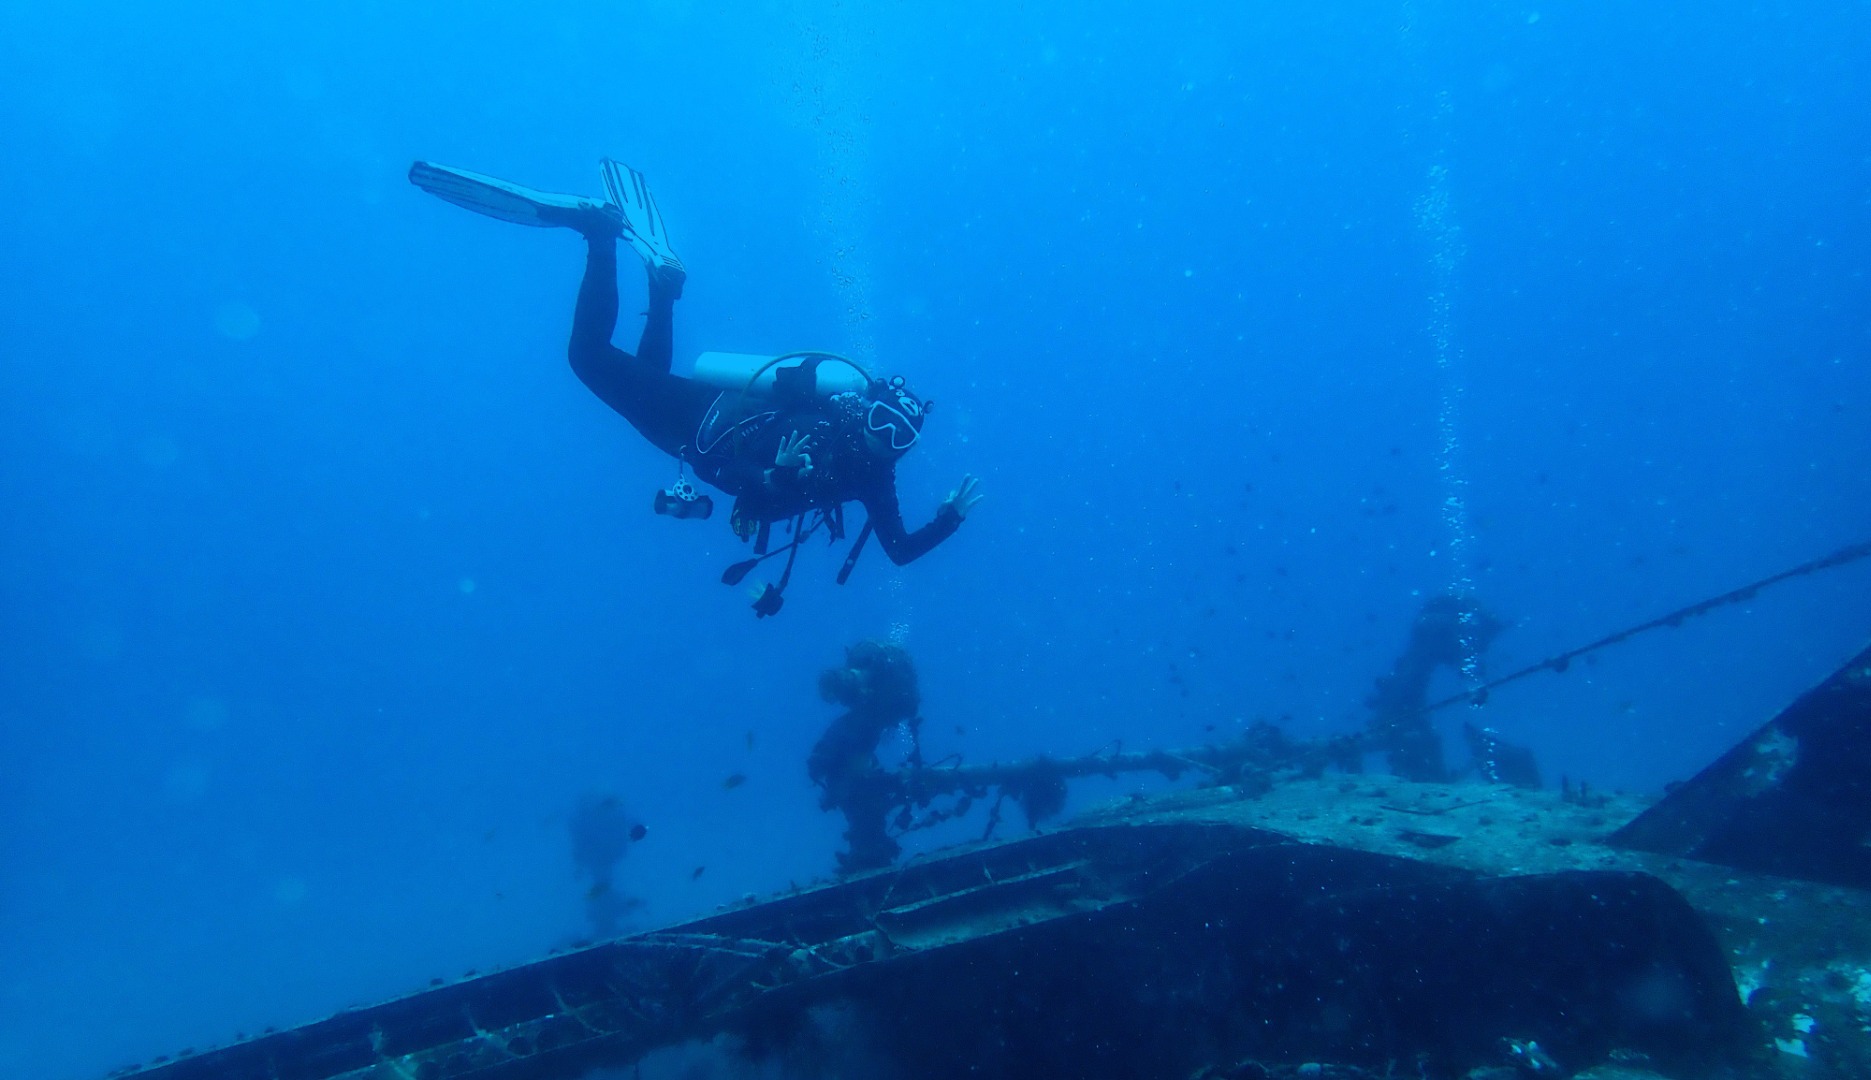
326, 590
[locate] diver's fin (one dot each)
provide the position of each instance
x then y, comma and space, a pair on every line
643, 223
498, 198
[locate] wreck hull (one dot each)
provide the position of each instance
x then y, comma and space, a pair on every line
1139, 949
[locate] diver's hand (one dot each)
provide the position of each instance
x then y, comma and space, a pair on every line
964, 498
793, 454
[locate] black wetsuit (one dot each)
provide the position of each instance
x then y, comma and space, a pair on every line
729, 440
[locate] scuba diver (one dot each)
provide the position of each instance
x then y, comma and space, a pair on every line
792, 438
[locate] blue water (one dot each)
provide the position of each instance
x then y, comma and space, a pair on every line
325, 588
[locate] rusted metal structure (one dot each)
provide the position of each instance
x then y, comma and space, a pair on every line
1359, 923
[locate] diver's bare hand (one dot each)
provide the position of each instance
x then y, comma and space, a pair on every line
793, 453
964, 498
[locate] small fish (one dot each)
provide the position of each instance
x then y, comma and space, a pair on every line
750, 740
733, 781
639, 831
697, 873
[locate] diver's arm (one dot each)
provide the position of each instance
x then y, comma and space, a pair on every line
753, 479
769, 482
886, 520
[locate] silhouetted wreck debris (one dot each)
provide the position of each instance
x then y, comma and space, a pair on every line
1793, 798
1448, 631
877, 686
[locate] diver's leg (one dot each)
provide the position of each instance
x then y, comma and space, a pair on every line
656, 347
665, 408
594, 319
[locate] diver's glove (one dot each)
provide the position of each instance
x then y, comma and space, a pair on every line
963, 499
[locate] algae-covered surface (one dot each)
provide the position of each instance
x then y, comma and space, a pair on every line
1800, 951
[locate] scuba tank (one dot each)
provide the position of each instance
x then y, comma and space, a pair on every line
756, 387
760, 374
776, 382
